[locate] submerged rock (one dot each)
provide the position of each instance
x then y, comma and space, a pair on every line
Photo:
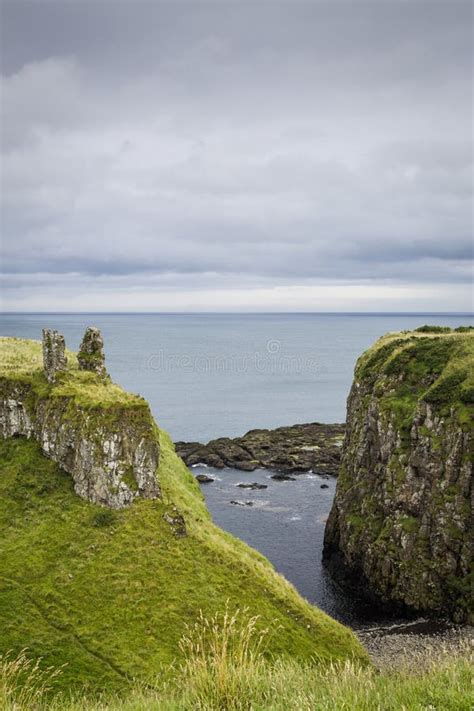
254, 485
204, 478
400, 529
283, 477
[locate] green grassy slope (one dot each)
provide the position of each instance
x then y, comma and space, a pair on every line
108, 593
434, 364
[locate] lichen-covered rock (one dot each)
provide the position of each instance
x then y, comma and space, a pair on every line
91, 352
105, 438
176, 521
400, 530
54, 354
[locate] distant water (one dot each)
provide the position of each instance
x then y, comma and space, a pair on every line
208, 375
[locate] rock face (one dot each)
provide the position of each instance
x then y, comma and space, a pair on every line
400, 529
298, 448
105, 438
91, 352
54, 355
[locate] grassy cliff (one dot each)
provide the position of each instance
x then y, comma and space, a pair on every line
400, 529
109, 592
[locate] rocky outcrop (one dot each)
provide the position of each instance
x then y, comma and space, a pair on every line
54, 354
105, 438
91, 352
298, 448
400, 529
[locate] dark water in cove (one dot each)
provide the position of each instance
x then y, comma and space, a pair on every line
210, 375
285, 523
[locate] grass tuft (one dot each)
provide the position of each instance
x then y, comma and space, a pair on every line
24, 683
222, 655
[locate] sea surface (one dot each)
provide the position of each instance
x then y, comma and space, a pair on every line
212, 375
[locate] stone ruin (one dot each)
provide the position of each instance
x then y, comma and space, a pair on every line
112, 459
91, 352
90, 356
54, 355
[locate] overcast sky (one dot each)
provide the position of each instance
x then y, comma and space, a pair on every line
274, 156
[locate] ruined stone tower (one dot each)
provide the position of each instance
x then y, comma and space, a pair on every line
91, 352
54, 356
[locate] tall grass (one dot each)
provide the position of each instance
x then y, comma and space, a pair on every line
223, 655
24, 683
226, 669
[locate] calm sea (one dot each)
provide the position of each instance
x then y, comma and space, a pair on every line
207, 375
210, 375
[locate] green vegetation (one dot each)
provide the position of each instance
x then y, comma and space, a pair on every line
21, 363
224, 668
433, 329
443, 329
410, 524
433, 364
108, 593
105, 517
119, 611
368, 363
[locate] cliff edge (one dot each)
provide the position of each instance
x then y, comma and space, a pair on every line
400, 529
103, 436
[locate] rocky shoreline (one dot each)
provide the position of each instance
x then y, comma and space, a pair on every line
418, 643
288, 450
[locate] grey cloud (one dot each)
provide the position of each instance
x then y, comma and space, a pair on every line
283, 142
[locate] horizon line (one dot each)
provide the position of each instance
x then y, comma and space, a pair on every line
470, 314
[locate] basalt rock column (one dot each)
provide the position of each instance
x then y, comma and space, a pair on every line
91, 352
54, 356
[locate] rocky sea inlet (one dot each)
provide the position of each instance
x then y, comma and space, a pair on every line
209, 376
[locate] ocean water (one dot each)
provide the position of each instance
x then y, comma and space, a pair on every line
209, 375
286, 523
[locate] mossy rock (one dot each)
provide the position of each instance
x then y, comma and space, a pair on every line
400, 526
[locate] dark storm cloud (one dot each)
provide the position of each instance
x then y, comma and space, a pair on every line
246, 145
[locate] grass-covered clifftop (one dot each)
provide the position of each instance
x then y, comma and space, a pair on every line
103, 437
108, 592
21, 361
432, 364
400, 529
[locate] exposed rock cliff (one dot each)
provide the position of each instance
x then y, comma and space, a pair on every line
104, 437
400, 530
